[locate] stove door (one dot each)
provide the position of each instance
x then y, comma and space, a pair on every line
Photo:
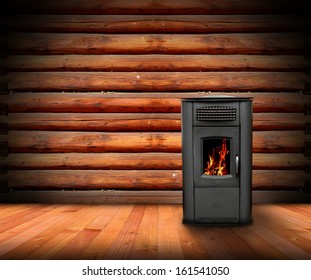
216, 156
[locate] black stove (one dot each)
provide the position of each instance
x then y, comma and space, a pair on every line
217, 160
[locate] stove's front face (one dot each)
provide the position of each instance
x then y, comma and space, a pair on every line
216, 174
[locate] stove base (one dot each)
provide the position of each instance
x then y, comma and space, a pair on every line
216, 206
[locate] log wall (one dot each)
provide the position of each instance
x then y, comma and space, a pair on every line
94, 89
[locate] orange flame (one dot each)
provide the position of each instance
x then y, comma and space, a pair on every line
216, 164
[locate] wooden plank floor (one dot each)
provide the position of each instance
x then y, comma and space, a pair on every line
150, 231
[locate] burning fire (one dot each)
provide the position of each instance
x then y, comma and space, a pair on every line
216, 164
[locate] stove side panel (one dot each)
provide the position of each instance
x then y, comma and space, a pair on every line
187, 162
246, 118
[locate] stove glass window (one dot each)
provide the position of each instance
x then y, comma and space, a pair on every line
216, 156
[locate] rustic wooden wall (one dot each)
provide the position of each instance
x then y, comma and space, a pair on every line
95, 87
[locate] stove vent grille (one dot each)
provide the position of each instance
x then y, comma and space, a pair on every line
216, 113
216, 220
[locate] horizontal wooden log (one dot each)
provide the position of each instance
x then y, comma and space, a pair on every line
138, 161
155, 7
95, 122
116, 161
90, 102
156, 63
104, 179
279, 121
27, 141
136, 122
136, 179
278, 179
156, 81
48, 141
153, 102
72, 43
278, 141
280, 161
155, 23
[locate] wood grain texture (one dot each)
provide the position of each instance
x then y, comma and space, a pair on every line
95, 161
136, 122
156, 81
280, 161
155, 23
96, 87
146, 243
278, 121
151, 7
44, 236
62, 237
96, 179
278, 141
139, 161
95, 122
137, 179
123, 244
14, 237
54, 141
153, 102
155, 62
23, 141
243, 43
152, 231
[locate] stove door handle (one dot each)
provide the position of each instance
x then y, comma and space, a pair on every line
237, 165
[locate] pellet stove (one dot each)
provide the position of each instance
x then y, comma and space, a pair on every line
217, 160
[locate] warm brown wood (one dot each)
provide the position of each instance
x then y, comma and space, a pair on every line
154, 102
156, 81
168, 245
7, 211
155, 23
146, 243
28, 141
137, 179
100, 179
61, 219
151, 7
45, 236
278, 141
90, 102
48, 141
21, 216
290, 223
116, 161
223, 247
127, 64
127, 235
267, 251
279, 231
136, 122
196, 249
61, 238
278, 179
139, 161
81, 235
155, 63
105, 240
95, 122
30, 226
280, 161
278, 121
250, 43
